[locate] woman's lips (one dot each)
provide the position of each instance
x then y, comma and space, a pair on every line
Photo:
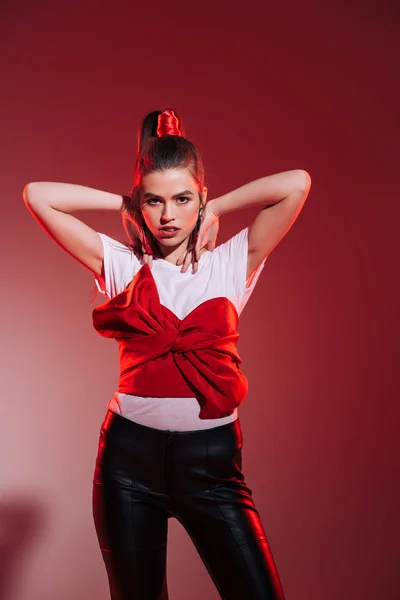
168, 234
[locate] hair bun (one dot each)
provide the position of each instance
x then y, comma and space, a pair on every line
168, 124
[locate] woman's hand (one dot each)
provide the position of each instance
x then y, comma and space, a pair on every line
206, 238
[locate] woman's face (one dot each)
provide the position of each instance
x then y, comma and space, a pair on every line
170, 198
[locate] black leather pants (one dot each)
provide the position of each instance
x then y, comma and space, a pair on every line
144, 476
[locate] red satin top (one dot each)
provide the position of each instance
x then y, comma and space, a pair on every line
163, 356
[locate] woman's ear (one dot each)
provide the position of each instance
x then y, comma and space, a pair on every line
205, 194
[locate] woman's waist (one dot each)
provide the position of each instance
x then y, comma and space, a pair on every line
167, 413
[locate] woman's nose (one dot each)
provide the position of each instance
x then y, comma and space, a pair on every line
167, 213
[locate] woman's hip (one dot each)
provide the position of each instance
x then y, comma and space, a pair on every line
168, 462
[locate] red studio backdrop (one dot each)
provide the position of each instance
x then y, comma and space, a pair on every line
262, 88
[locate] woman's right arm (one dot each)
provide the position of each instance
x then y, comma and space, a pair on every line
51, 204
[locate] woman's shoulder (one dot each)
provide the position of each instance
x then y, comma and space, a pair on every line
118, 247
115, 242
235, 246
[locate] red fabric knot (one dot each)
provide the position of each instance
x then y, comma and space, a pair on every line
179, 343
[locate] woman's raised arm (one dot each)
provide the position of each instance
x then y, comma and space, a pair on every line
51, 203
281, 195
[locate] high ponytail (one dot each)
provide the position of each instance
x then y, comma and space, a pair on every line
158, 124
162, 145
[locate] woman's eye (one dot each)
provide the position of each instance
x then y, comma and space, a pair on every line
154, 201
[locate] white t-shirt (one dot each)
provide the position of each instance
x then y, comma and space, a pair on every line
221, 272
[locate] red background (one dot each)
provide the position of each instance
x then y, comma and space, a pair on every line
262, 87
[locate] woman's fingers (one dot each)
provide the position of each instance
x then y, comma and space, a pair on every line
181, 259
186, 262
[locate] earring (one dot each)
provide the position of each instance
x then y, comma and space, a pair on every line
194, 236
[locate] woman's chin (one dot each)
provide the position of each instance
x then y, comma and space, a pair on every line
170, 240
169, 243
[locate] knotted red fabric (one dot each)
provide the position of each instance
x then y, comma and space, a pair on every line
163, 356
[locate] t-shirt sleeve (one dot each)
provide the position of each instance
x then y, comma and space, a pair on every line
120, 266
235, 250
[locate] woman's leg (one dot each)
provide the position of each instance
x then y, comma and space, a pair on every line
227, 531
217, 510
131, 523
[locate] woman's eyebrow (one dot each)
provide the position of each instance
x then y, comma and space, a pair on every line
185, 193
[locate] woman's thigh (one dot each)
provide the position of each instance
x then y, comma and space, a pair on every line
131, 523
228, 534
132, 535
216, 508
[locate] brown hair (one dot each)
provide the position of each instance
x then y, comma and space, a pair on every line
162, 145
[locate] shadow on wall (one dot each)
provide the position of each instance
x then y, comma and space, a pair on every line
20, 521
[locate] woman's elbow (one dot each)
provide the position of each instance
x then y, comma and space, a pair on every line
26, 194
30, 192
304, 180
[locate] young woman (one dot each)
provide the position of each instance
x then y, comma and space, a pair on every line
171, 441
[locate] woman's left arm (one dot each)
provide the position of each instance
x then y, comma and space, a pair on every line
282, 196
